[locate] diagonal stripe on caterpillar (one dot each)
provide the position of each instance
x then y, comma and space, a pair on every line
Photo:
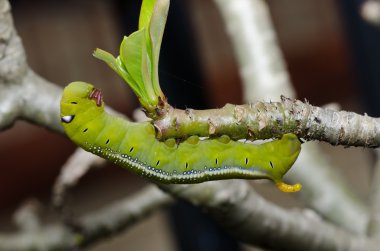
135, 147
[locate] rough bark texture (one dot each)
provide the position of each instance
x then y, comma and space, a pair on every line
262, 120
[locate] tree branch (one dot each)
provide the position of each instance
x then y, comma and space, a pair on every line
233, 203
79, 163
262, 67
23, 93
252, 219
255, 43
263, 120
326, 192
12, 55
374, 214
92, 227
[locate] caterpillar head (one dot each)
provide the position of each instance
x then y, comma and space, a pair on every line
80, 101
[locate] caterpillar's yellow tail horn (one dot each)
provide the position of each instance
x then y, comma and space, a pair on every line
288, 188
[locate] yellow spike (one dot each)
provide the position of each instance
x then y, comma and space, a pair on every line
288, 188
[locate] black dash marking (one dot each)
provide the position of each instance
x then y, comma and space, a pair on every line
270, 162
74, 103
85, 130
158, 162
108, 141
187, 165
216, 161
130, 150
246, 161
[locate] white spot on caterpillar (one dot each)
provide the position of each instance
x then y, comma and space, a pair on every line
67, 119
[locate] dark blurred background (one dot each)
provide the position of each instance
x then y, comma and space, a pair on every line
332, 56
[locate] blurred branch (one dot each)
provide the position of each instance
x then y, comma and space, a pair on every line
370, 12
23, 94
91, 227
374, 216
40, 102
12, 55
75, 168
326, 192
255, 42
262, 67
12, 66
27, 216
252, 219
233, 203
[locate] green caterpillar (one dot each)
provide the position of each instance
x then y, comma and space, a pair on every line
135, 147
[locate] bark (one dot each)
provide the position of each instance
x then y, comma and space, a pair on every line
262, 120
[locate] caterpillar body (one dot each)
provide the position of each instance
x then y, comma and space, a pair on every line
134, 146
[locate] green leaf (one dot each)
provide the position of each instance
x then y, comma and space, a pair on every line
107, 58
146, 11
118, 67
133, 54
156, 31
139, 54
